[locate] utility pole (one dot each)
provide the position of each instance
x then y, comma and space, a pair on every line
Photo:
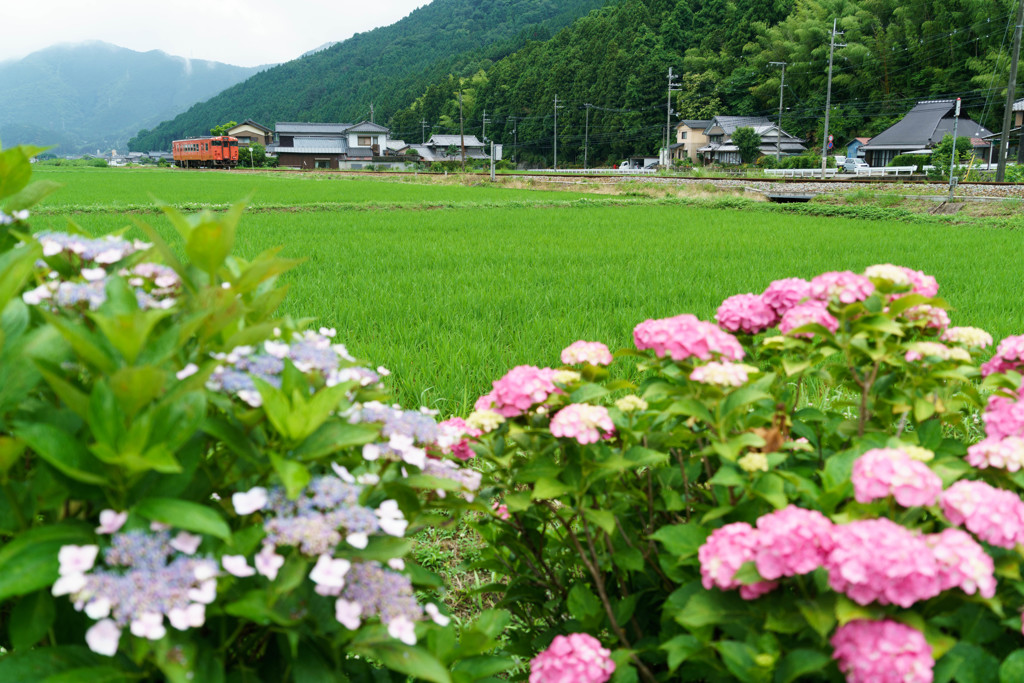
486, 121
952, 159
492, 161
586, 136
515, 141
371, 112
1004, 140
557, 107
828, 97
778, 138
668, 114
462, 132
423, 130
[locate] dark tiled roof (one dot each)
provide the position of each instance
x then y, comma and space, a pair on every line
312, 128
696, 123
367, 127
924, 126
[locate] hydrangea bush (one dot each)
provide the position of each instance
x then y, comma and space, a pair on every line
192, 489
804, 490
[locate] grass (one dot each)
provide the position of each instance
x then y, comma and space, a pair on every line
451, 299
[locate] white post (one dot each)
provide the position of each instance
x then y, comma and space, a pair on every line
952, 159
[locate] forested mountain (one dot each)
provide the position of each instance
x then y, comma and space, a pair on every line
617, 58
388, 66
95, 95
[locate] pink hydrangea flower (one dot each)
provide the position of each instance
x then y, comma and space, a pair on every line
748, 313
1009, 355
922, 284
583, 422
1004, 416
521, 388
845, 286
724, 552
577, 658
792, 541
882, 652
460, 447
783, 295
884, 472
805, 314
963, 563
686, 336
877, 560
581, 351
994, 515
1006, 453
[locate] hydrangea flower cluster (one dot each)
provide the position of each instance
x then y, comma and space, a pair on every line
409, 433
1004, 416
992, 514
581, 351
884, 472
882, 652
846, 287
747, 313
147, 576
577, 658
723, 374
918, 351
1006, 453
877, 560
583, 422
686, 336
466, 477
1009, 355
521, 388
20, 215
369, 590
784, 294
932, 316
887, 272
962, 563
968, 336
792, 541
725, 551
155, 286
807, 313
455, 430
311, 352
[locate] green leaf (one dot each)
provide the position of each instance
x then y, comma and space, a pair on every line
61, 450
38, 665
847, 610
682, 540
966, 663
295, 476
411, 660
680, 649
705, 608
820, 617
210, 241
605, 519
15, 170
31, 195
128, 332
16, 266
547, 487
1012, 668
30, 619
91, 674
582, 603
29, 562
183, 514
800, 663
739, 659
336, 435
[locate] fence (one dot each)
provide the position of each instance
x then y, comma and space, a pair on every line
885, 170
799, 172
599, 171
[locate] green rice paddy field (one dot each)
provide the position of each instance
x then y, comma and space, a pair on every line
449, 286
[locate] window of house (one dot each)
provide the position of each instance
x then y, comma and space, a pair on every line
323, 163
366, 140
684, 134
287, 141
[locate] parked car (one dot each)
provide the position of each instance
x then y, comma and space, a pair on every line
851, 165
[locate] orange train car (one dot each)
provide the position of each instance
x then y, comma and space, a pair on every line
213, 152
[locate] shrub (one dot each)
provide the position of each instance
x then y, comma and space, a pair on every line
918, 160
714, 524
192, 486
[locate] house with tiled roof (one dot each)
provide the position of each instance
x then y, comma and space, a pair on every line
923, 128
689, 138
721, 150
249, 131
350, 146
449, 148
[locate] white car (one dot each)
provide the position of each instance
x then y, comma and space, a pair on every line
852, 165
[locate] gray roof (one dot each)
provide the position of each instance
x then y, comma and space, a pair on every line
696, 123
924, 126
446, 140
312, 128
730, 123
367, 127
250, 122
1019, 105
313, 145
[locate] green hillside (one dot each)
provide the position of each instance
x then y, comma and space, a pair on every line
95, 95
617, 60
388, 66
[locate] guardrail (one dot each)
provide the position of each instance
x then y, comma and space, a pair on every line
885, 170
800, 172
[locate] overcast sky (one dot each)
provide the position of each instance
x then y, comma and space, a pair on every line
251, 32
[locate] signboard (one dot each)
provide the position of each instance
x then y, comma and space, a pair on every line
497, 152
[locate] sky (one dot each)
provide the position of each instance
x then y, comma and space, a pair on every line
253, 32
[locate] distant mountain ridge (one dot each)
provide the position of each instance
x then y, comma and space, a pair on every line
387, 67
88, 96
